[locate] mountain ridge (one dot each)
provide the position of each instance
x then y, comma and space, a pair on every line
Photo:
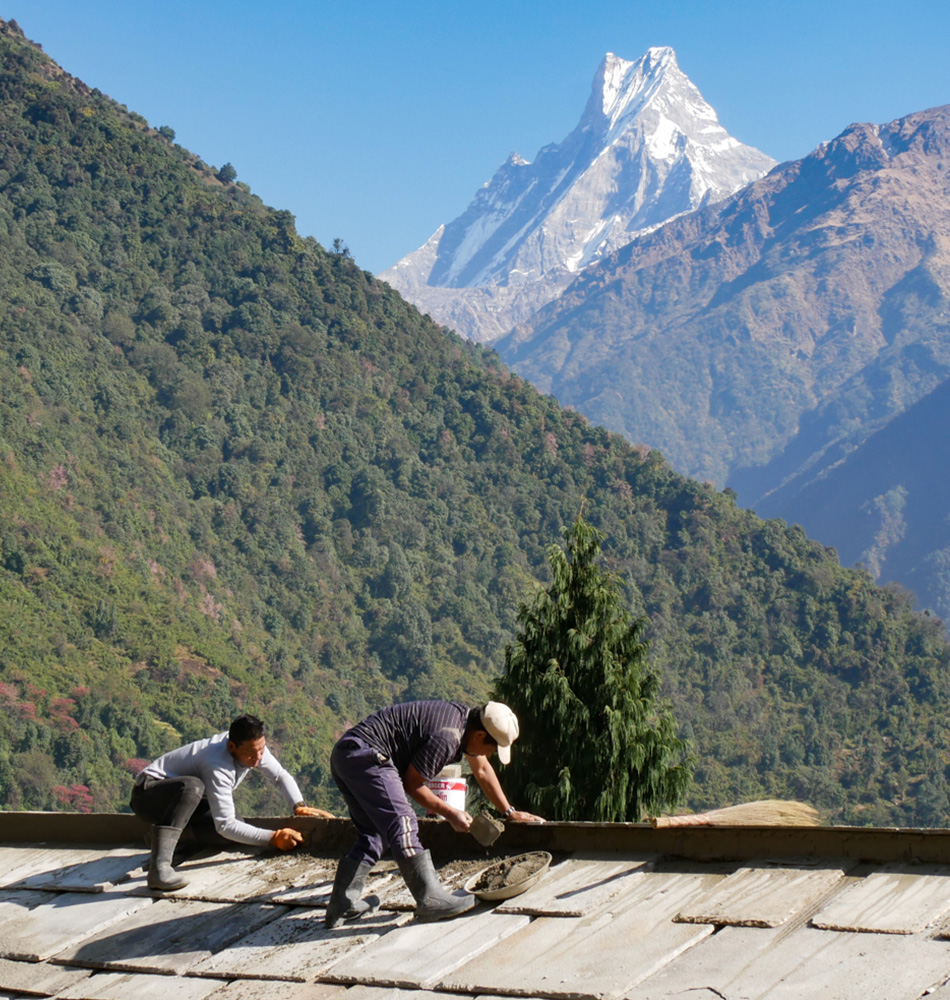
884, 501
742, 235
775, 331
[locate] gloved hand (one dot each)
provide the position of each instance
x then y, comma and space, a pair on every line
286, 839
312, 811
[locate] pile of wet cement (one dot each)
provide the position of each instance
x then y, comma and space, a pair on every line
510, 871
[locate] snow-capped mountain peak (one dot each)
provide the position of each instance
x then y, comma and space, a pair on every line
647, 148
624, 84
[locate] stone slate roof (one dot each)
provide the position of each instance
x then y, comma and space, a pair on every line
703, 915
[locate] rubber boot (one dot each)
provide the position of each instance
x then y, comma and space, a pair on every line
161, 875
432, 901
183, 849
345, 902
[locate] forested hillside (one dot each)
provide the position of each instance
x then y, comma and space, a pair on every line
238, 472
886, 500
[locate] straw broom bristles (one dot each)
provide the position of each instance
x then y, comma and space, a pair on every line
769, 812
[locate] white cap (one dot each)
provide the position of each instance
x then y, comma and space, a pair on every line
501, 724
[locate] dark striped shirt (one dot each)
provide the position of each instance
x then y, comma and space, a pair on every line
426, 734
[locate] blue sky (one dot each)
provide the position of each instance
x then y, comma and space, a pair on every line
376, 121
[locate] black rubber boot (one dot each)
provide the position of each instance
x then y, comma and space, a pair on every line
432, 901
345, 902
184, 849
161, 875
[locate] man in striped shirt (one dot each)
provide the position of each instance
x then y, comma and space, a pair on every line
387, 758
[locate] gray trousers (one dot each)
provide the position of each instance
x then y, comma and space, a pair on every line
175, 802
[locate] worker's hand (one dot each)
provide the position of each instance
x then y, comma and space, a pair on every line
520, 816
286, 839
461, 821
313, 811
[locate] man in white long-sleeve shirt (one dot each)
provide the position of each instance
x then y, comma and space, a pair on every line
194, 787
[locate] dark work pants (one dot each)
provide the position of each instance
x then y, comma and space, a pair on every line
176, 802
377, 801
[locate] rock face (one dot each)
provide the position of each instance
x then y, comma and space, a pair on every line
759, 341
647, 148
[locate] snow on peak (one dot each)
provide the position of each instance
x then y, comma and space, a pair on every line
647, 148
622, 90
621, 82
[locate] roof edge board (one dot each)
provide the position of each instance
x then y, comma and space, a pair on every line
871, 844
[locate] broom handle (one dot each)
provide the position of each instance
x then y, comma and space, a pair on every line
695, 819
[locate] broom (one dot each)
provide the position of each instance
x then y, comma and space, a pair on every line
769, 812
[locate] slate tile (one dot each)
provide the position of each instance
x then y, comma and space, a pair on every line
231, 877
227, 876
263, 989
138, 986
418, 954
941, 992
15, 903
37, 978
64, 920
600, 955
21, 862
315, 894
755, 963
898, 899
92, 874
765, 894
295, 947
396, 993
577, 887
170, 936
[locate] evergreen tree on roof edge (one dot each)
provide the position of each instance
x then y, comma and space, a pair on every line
596, 744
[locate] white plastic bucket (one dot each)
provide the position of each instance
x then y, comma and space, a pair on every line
450, 787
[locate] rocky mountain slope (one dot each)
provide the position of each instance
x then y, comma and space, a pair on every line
767, 336
647, 148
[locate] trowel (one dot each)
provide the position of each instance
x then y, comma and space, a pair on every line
485, 829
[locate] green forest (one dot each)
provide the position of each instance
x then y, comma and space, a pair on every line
239, 473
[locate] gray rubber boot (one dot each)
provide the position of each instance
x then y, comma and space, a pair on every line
432, 901
161, 875
345, 902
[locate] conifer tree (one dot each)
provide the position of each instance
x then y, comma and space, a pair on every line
595, 743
